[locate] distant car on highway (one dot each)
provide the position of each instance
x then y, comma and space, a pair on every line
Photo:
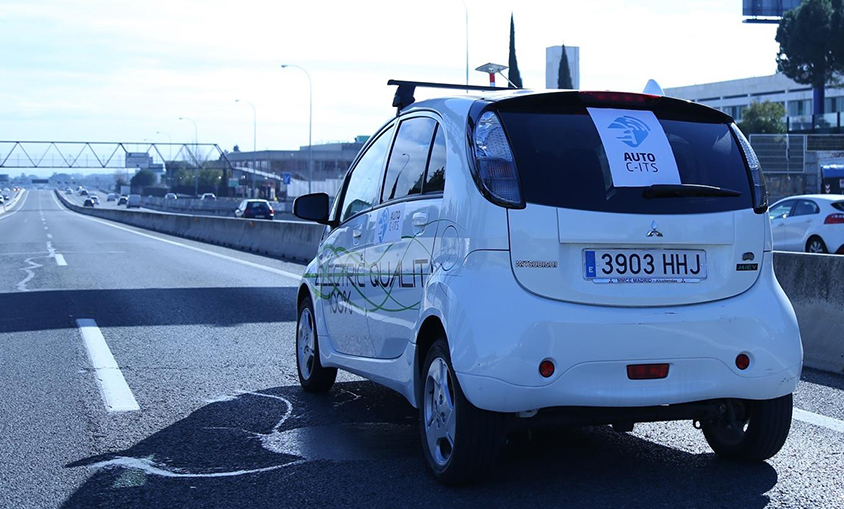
111, 197
68, 191
83, 192
95, 198
208, 196
89, 202
171, 196
133, 201
254, 209
122, 200
813, 223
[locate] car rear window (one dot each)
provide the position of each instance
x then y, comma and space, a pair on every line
257, 205
562, 163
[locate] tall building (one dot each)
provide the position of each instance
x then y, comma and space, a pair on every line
552, 65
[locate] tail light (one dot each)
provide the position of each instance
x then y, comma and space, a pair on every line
834, 219
617, 97
757, 179
494, 163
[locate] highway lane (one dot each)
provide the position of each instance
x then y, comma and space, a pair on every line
203, 336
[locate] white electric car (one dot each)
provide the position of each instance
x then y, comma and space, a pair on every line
517, 259
812, 222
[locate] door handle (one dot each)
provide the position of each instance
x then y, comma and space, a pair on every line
357, 232
420, 219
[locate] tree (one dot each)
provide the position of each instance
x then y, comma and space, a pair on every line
143, 178
809, 37
564, 73
236, 148
763, 118
515, 78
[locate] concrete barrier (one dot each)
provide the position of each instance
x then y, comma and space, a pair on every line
294, 240
815, 285
9, 205
219, 207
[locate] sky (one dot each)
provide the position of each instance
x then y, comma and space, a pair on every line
115, 70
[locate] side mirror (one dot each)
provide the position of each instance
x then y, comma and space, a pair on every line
312, 207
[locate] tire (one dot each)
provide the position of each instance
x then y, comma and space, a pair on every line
459, 441
313, 377
762, 431
815, 245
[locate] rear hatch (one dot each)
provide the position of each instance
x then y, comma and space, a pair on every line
615, 209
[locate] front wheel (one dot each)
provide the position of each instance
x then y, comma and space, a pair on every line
752, 430
460, 442
312, 375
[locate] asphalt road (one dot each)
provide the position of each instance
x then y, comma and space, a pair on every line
203, 337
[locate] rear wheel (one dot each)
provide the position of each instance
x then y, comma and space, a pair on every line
460, 442
752, 430
815, 245
312, 375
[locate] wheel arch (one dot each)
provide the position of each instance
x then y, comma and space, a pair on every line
432, 329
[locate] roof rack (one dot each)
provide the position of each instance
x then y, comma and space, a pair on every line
404, 92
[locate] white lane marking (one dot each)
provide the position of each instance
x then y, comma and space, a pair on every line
46, 228
49, 235
819, 420
30, 273
15, 211
60, 261
284, 273
115, 391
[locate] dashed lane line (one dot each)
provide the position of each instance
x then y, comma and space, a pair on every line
258, 266
60, 261
115, 391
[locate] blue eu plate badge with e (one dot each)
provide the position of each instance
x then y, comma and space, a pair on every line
590, 263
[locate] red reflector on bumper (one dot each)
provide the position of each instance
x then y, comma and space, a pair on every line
647, 371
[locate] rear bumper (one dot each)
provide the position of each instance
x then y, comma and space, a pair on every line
498, 343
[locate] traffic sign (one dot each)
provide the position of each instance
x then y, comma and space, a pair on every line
286, 177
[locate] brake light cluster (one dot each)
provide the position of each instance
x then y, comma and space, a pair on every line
647, 371
834, 219
760, 191
494, 162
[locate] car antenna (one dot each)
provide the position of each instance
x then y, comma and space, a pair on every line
653, 88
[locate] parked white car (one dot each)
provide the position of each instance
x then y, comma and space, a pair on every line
514, 259
813, 223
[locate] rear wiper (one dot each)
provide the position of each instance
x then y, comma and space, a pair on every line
681, 190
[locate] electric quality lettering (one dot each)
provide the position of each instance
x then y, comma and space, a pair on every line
345, 278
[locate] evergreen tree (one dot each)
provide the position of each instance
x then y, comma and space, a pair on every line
515, 77
564, 73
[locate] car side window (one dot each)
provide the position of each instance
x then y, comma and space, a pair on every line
781, 210
406, 169
805, 208
435, 175
362, 189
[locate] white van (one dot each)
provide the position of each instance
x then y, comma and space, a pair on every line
514, 259
133, 201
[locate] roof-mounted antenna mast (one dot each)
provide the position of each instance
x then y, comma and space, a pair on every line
406, 89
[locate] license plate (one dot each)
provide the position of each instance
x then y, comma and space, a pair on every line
644, 265
259, 216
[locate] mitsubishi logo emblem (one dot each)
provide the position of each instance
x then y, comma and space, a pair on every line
654, 232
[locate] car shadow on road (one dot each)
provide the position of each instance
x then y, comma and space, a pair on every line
359, 446
59, 309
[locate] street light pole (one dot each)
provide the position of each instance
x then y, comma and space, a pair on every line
310, 125
195, 159
254, 143
467, 42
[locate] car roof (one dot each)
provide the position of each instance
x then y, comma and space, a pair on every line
598, 97
821, 197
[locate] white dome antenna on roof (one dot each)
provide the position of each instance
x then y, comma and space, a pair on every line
653, 88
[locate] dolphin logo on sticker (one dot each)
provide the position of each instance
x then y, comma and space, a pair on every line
633, 130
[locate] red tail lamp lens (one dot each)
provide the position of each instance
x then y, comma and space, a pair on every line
546, 368
647, 371
742, 361
834, 219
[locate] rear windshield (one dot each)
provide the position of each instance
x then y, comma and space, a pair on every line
257, 205
562, 163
